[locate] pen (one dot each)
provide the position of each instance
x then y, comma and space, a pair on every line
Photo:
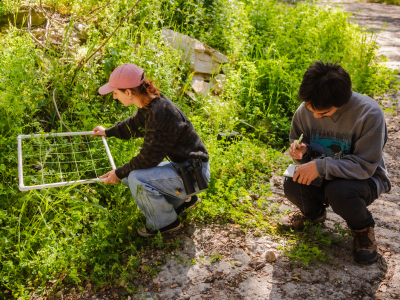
298, 142
300, 138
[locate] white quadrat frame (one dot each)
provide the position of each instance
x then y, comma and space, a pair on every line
23, 188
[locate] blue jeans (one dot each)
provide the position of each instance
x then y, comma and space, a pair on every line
159, 191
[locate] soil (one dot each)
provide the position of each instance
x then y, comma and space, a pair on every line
243, 272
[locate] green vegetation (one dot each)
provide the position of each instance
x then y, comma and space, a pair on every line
393, 2
76, 234
308, 245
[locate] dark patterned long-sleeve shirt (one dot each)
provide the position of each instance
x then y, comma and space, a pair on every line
166, 131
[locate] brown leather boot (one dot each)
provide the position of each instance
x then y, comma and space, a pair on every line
365, 248
296, 220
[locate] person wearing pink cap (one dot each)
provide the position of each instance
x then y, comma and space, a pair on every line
156, 186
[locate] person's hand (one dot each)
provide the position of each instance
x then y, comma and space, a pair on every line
297, 151
112, 177
99, 131
306, 173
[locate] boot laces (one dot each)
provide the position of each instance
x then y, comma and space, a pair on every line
363, 239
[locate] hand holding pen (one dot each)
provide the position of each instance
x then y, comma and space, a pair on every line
298, 149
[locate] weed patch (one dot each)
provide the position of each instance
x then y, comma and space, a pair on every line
311, 243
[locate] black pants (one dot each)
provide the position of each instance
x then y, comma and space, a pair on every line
348, 198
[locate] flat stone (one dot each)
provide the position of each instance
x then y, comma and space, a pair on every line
202, 58
200, 86
238, 263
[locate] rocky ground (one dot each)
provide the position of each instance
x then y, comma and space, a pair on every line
232, 264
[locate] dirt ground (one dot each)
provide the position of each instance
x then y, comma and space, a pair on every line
243, 272
376, 17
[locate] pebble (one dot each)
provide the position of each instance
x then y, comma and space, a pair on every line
173, 286
59, 294
238, 263
270, 256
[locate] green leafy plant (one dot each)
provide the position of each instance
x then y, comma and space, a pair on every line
87, 233
309, 245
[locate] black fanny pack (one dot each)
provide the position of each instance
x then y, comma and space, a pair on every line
191, 174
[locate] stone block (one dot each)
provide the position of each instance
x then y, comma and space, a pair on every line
200, 86
218, 83
202, 58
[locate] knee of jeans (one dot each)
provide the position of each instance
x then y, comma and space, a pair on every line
125, 181
133, 178
338, 194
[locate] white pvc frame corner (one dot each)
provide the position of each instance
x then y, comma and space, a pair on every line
24, 188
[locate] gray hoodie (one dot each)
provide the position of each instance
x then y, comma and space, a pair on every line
347, 144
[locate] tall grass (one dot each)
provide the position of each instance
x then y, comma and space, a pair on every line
285, 40
81, 234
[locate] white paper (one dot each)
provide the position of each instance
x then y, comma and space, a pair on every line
290, 171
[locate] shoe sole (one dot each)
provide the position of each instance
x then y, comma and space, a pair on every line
288, 228
145, 234
194, 204
190, 207
367, 262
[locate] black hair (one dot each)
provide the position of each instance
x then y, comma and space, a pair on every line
325, 85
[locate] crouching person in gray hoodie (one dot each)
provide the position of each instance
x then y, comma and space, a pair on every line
340, 156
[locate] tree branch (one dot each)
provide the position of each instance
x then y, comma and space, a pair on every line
105, 42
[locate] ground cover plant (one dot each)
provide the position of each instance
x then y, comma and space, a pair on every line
393, 2
80, 234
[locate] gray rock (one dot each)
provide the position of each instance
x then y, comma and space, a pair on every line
237, 263
82, 31
242, 256
202, 58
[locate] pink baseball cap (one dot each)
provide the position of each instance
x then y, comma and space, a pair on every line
126, 76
